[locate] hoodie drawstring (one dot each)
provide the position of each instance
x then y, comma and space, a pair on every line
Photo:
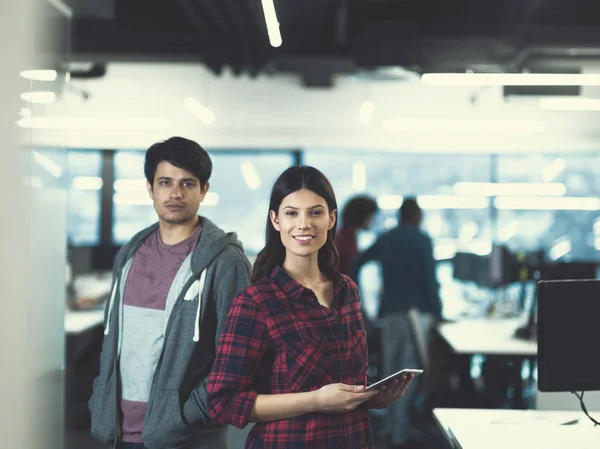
110, 306
197, 322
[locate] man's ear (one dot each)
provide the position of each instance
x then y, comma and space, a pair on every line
205, 187
274, 220
150, 191
332, 219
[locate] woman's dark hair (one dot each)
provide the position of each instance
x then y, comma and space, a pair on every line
180, 152
290, 181
357, 209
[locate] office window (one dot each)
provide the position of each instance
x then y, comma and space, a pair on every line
84, 176
237, 200
557, 211
457, 220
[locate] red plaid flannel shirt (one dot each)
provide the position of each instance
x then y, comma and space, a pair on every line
279, 339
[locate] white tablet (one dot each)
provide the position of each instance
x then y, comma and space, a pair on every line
404, 372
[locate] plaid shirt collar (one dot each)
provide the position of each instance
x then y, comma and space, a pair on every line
294, 290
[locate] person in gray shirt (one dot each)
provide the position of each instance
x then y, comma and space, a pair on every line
410, 306
172, 287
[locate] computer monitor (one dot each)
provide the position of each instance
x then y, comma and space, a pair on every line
568, 270
568, 332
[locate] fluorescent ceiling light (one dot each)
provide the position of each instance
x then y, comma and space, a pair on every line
128, 185
560, 250
39, 75
480, 247
95, 123
510, 188
463, 125
272, 23
597, 243
51, 167
87, 183
132, 198
553, 169
211, 199
389, 202
547, 203
38, 97
367, 111
509, 231
444, 251
359, 176
570, 104
250, 175
201, 112
510, 79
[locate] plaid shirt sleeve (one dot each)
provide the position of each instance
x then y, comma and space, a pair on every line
231, 391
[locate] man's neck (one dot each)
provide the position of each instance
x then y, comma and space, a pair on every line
171, 234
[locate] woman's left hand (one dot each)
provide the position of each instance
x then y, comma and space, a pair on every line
389, 393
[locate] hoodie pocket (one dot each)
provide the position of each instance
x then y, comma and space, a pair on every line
164, 425
102, 411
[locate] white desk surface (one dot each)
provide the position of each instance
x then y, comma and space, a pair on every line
77, 321
493, 336
517, 429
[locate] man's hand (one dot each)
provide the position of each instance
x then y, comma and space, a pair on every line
341, 398
388, 394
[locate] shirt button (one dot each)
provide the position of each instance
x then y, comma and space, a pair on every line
331, 318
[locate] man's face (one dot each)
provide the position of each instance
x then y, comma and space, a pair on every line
176, 194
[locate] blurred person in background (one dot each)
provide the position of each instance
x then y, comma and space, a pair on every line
173, 284
358, 214
410, 307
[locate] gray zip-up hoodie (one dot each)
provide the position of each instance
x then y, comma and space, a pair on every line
203, 288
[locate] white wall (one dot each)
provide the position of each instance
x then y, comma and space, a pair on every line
32, 255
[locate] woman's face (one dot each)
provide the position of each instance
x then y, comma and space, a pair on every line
303, 220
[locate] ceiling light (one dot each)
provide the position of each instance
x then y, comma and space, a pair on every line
38, 97
559, 250
210, 199
553, 169
87, 183
510, 188
95, 123
201, 112
127, 185
547, 203
359, 176
250, 175
39, 75
272, 23
510, 79
52, 167
367, 111
440, 202
463, 125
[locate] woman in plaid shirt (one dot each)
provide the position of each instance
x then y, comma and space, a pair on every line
293, 355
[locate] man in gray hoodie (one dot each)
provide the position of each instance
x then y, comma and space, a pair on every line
172, 287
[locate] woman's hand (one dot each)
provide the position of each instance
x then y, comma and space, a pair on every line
389, 393
341, 398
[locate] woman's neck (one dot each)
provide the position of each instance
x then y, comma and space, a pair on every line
304, 270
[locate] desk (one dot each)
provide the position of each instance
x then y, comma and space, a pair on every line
78, 321
487, 337
493, 338
516, 429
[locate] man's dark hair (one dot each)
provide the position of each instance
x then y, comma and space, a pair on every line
182, 153
357, 209
410, 212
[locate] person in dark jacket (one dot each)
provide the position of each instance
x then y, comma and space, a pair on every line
173, 284
410, 305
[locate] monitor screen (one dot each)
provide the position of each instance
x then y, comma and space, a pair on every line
568, 327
